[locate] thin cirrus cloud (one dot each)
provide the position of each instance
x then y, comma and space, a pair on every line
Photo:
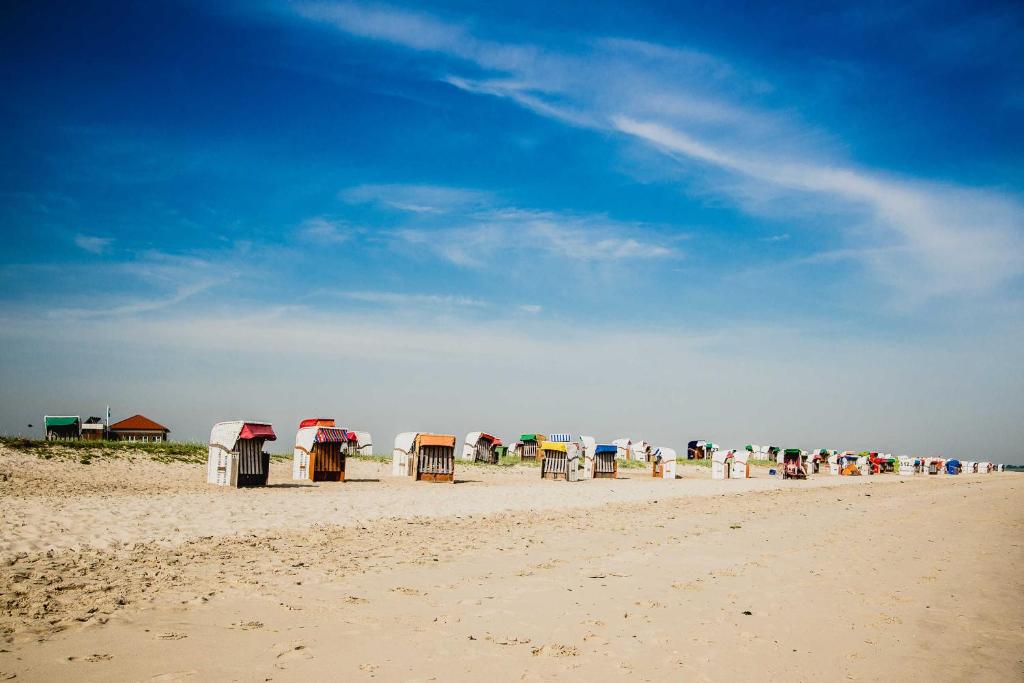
931, 232
469, 227
584, 239
425, 199
324, 231
408, 300
924, 238
152, 281
139, 306
93, 244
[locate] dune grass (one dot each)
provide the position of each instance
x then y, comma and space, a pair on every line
86, 451
706, 462
196, 452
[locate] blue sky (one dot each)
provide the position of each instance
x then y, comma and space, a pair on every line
768, 224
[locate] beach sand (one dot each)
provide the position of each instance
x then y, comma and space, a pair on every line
139, 571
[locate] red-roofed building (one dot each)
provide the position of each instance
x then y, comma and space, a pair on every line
138, 428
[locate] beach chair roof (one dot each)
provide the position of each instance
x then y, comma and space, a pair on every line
334, 435
606, 448
317, 422
257, 430
307, 436
561, 438
226, 434
436, 440
553, 446
473, 438
531, 437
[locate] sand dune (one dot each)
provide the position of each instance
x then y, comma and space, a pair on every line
508, 577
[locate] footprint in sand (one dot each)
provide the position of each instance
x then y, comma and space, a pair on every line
293, 652
551, 564
686, 586
555, 650
172, 636
175, 675
508, 640
649, 604
406, 591
92, 658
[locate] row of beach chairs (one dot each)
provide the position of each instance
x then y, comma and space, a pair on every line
237, 457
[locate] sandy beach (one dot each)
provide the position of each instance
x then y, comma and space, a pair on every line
138, 571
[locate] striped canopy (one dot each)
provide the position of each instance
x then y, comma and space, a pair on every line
334, 435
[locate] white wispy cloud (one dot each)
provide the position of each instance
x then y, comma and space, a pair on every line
138, 307
416, 198
942, 239
324, 231
484, 236
469, 227
922, 237
93, 244
405, 299
152, 280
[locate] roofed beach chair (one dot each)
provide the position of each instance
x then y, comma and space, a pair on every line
663, 463
236, 456
559, 460
424, 457
528, 445
320, 450
604, 464
480, 447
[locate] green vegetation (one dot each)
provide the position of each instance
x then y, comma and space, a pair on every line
368, 458
762, 463
87, 451
706, 462
634, 465
512, 460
